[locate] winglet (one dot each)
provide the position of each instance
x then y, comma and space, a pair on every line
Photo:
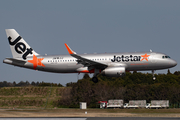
69, 49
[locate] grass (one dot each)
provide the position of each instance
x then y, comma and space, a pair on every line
29, 97
41, 97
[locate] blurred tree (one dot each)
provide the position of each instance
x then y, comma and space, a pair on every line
33, 83
177, 73
86, 76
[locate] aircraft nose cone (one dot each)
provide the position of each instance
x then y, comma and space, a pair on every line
173, 63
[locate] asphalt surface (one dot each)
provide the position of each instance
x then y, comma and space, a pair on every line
98, 118
134, 118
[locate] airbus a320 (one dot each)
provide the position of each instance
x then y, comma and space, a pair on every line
113, 64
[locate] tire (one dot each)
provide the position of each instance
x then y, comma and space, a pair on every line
95, 79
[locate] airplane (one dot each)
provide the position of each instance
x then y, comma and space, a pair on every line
108, 64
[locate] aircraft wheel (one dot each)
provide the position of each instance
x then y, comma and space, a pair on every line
95, 79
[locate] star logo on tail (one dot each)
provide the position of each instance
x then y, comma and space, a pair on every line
36, 61
145, 57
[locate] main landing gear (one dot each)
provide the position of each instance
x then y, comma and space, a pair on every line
95, 79
96, 72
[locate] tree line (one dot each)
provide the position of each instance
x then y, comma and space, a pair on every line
134, 86
25, 84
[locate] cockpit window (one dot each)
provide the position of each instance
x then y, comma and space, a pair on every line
164, 57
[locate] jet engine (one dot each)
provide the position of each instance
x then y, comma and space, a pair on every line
114, 71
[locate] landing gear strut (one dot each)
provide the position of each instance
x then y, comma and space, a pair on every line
154, 78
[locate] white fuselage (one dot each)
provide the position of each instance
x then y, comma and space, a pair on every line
113, 64
69, 64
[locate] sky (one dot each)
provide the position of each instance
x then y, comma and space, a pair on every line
88, 26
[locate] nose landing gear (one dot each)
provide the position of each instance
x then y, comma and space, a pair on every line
154, 78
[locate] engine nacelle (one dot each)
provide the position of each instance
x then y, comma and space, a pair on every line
114, 71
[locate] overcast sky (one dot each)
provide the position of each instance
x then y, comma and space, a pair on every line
88, 26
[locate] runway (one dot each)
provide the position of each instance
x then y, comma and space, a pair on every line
90, 114
133, 118
98, 118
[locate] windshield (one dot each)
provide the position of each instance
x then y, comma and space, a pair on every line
164, 57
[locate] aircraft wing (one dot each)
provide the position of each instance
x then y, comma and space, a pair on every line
86, 62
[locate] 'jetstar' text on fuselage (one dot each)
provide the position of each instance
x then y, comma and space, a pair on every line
126, 58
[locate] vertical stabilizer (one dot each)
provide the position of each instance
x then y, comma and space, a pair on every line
19, 47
